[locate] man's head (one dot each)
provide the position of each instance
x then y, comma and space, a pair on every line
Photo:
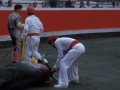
34, 4
52, 39
113, 4
88, 3
10, 3
18, 8
1, 3
43, 5
63, 3
30, 10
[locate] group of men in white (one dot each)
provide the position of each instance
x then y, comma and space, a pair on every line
68, 49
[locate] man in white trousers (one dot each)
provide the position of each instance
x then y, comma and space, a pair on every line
68, 50
33, 29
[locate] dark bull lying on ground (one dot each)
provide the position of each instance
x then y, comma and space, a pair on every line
18, 76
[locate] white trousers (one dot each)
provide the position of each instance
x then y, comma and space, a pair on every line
32, 44
69, 65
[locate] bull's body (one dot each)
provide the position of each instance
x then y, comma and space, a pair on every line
18, 76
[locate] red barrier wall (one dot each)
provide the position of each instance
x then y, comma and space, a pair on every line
59, 20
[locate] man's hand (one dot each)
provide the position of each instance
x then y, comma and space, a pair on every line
21, 40
54, 70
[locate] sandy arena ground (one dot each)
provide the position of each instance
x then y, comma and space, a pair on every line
99, 67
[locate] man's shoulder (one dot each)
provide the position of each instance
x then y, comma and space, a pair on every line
36, 17
28, 18
15, 14
11, 15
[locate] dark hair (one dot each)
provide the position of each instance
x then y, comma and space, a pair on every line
82, 2
44, 3
17, 6
54, 40
34, 3
9, 1
113, 3
30, 13
1, 2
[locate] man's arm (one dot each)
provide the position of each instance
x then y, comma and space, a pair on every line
26, 28
18, 23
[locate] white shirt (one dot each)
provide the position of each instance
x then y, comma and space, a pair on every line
1, 6
88, 6
62, 44
32, 25
73, 3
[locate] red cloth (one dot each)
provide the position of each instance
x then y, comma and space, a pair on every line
73, 43
33, 34
31, 10
51, 38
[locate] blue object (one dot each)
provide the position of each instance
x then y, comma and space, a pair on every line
65, 51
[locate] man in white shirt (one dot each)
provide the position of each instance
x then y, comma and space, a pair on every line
118, 4
88, 4
33, 29
69, 51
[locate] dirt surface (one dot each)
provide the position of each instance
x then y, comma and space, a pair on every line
99, 67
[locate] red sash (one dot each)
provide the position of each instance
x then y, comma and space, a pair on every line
33, 34
73, 43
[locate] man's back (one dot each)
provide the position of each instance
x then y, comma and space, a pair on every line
34, 24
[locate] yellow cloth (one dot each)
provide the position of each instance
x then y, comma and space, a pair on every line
33, 60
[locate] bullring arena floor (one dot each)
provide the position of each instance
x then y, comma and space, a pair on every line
99, 67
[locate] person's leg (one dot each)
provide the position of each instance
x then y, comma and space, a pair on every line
73, 70
27, 54
17, 56
13, 43
13, 56
13, 52
18, 48
65, 64
32, 44
35, 40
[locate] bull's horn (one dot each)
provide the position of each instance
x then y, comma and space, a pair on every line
43, 56
46, 53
